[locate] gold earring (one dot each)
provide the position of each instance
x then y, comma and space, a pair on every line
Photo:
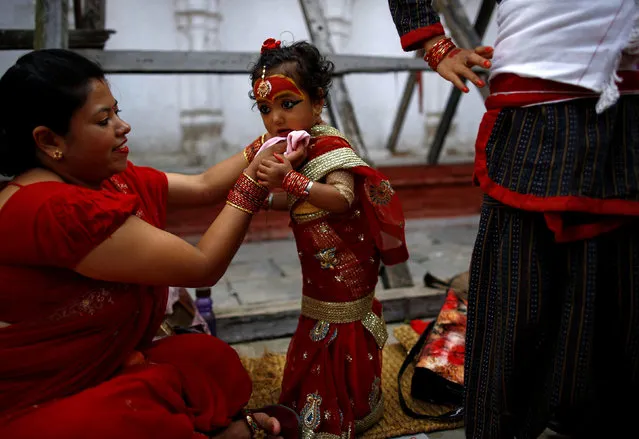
57, 154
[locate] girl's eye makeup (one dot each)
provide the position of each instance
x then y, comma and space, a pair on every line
264, 109
287, 104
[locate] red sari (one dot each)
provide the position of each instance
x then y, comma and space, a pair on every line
63, 372
333, 367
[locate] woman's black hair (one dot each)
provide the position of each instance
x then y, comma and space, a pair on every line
311, 70
43, 88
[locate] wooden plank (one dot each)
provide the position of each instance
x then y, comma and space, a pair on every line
264, 321
220, 62
22, 39
467, 36
94, 14
402, 109
51, 24
340, 100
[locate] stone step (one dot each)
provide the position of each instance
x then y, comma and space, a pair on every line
262, 321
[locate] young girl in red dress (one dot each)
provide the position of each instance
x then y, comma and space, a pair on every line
345, 218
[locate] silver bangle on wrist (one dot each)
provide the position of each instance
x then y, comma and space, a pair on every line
269, 202
307, 189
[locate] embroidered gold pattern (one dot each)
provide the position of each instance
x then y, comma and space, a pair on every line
341, 158
375, 393
377, 327
338, 312
87, 305
311, 415
381, 194
372, 418
327, 258
319, 330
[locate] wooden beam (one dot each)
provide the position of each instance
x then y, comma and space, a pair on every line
94, 14
339, 97
184, 62
407, 96
22, 39
51, 24
466, 36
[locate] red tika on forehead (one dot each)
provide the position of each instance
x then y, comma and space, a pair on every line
270, 88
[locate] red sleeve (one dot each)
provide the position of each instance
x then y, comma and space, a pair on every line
152, 187
415, 39
58, 225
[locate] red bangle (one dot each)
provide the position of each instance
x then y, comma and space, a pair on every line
296, 184
247, 195
437, 53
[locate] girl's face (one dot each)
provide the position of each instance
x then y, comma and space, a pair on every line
284, 106
95, 147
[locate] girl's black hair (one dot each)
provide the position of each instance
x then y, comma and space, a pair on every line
43, 88
312, 71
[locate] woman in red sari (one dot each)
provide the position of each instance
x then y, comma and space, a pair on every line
85, 265
345, 217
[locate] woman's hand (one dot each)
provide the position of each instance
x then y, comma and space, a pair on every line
458, 62
271, 172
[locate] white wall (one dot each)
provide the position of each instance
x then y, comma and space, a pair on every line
151, 102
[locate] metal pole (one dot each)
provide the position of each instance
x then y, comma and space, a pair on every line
51, 24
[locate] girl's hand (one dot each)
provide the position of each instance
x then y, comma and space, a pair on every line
458, 62
280, 147
297, 157
271, 172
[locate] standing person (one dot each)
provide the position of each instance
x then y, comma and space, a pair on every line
85, 266
345, 218
553, 316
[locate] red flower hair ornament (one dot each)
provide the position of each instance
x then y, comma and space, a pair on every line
270, 44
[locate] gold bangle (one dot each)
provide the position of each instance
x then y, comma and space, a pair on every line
239, 208
255, 182
248, 162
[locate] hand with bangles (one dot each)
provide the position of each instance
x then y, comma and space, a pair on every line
455, 63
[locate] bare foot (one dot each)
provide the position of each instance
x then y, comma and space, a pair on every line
240, 429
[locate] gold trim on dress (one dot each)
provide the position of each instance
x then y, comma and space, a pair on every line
377, 327
372, 418
340, 158
337, 312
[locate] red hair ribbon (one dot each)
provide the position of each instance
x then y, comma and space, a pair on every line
270, 44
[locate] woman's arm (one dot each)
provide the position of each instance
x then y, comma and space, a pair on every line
140, 253
418, 26
212, 185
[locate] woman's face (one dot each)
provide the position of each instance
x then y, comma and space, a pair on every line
95, 148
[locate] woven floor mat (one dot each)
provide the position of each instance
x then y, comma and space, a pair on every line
266, 373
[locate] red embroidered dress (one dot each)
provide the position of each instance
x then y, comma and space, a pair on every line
333, 366
62, 373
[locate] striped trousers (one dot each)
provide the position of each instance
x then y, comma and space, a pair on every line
553, 328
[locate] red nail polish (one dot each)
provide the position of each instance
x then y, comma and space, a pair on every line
480, 83
486, 63
465, 90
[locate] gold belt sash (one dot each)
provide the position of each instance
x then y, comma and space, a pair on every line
337, 312
346, 312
